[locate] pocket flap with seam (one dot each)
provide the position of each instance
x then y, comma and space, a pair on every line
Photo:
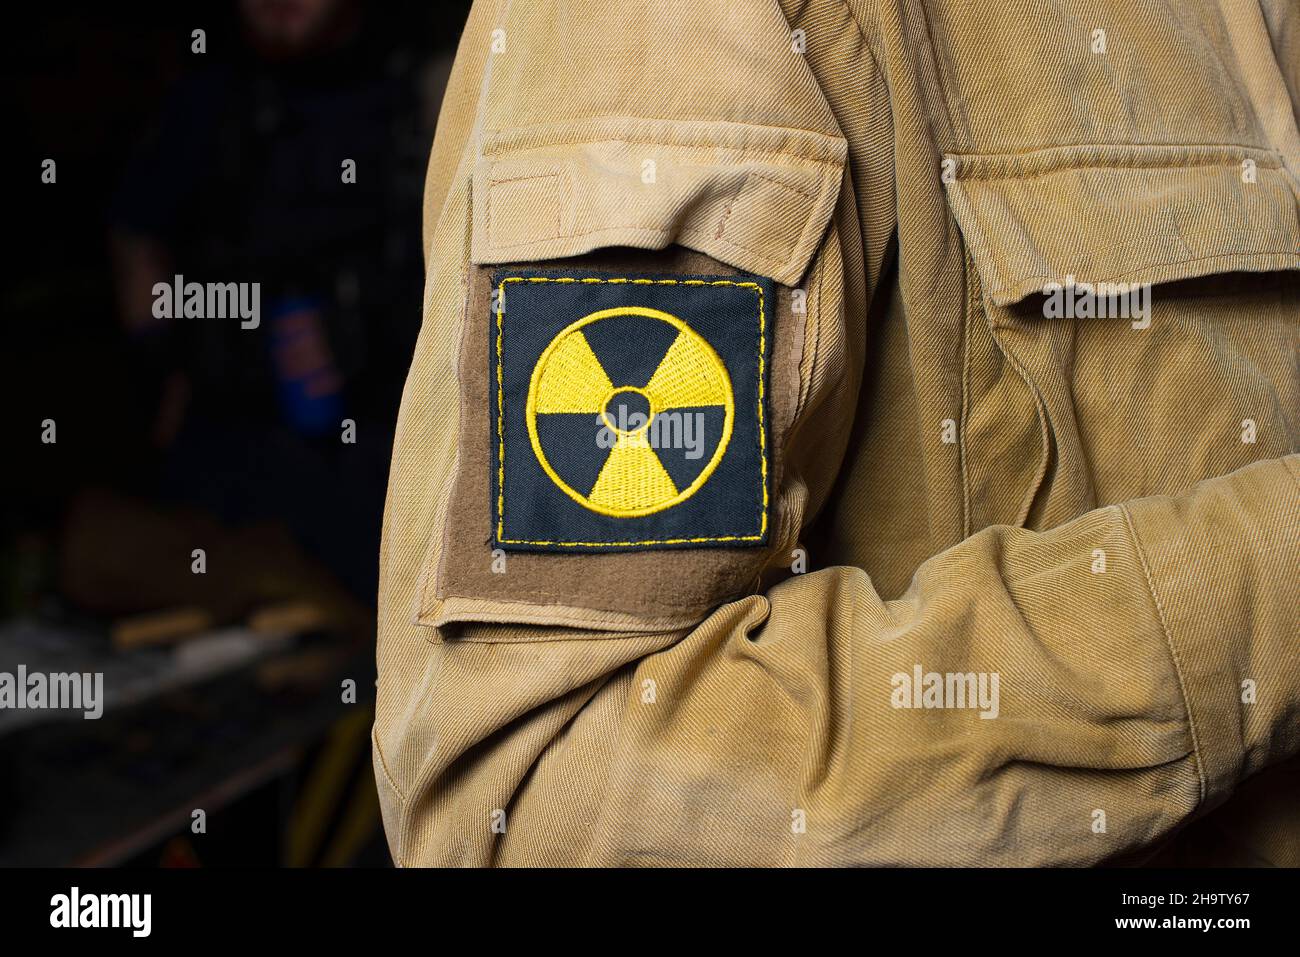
756, 198
1122, 214
1209, 351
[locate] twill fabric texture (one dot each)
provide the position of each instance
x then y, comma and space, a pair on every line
1031, 411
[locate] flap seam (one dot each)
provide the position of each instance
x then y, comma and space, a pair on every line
1038, 163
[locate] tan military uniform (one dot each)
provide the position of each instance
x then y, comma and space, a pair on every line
1025, 590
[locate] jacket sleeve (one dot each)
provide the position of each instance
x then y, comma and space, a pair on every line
1119, 673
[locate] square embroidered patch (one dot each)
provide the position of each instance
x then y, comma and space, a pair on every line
629, 412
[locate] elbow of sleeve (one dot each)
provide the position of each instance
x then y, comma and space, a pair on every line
1221, 565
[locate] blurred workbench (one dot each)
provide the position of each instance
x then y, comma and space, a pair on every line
230, 721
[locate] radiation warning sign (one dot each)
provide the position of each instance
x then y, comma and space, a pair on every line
629, 412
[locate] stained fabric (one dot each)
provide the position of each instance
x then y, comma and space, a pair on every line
1028, 593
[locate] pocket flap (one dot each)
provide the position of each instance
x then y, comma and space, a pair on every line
1122, 214
757, 198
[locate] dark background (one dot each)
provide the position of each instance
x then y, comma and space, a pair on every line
226, 690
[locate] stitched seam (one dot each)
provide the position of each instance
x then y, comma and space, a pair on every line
651, 230
969, 302
1153, 147
1044, 420
501, 411
521, 179
1134, 163
1173, 652
559, 206
943, 65
501, 439
1017, 175
762, 429
657, 230
726, 216
383, 766
511, 153
811, 330
1010, 290
803, 230
472, 639
1149, 156
658, 541
758, 254
776, 182
686, 605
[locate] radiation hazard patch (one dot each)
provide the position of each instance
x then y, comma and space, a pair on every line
629, 412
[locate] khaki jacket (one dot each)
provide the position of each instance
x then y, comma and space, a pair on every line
1013, 575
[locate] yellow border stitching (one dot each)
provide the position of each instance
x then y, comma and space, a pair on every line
501, 437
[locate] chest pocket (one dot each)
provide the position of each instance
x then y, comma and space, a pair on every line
1149, 299
1139, 156
1063, 72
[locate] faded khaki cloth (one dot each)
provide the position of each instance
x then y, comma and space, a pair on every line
1099, 510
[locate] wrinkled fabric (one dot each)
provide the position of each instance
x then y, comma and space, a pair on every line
1029, 590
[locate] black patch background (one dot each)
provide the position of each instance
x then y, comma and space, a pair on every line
729, 504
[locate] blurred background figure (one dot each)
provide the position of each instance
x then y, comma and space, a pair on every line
296, 164
284, 146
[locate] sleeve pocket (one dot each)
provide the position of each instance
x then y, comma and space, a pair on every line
753, 197
683, 242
